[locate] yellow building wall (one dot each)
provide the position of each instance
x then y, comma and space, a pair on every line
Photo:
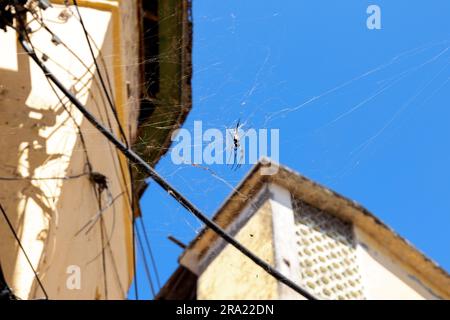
231, 275
41, 145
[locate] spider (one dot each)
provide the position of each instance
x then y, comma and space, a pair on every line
236, 164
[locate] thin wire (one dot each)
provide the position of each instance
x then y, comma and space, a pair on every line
152, 259
136, 159
23, 251
133, 221
113, 262
136, 293
105, 282
105, 278
43, 178
93, 220
108, 97
147, 269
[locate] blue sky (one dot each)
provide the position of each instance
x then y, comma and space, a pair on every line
376, 129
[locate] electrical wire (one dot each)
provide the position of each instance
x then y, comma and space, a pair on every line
146, 268
108, 97
23, 250
136, 291
152, 259
137, 160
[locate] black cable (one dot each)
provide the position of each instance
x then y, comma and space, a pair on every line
133, 221
108, 97
136, 292
23, 250
152, 259
105, 276
136, 159
146, 268
98, 194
